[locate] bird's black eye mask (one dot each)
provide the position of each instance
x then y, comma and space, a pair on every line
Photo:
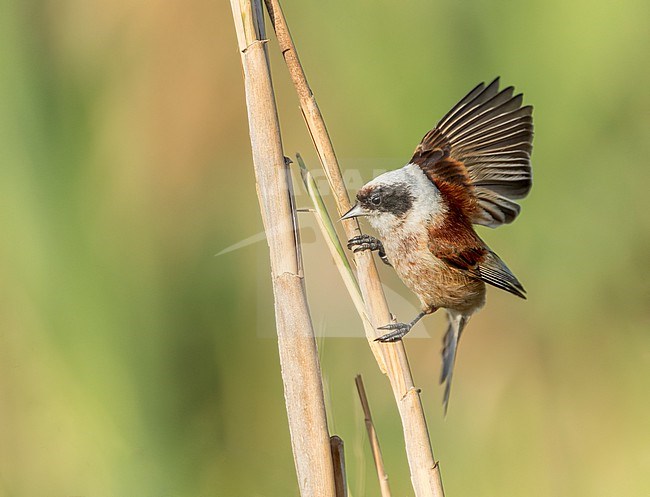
394, 199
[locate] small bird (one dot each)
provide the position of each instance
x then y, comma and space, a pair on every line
467, 170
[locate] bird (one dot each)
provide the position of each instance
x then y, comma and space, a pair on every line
468, 170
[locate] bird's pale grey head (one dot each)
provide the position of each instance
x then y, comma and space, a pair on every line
394, 198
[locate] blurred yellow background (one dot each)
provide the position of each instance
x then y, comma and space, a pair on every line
133, 362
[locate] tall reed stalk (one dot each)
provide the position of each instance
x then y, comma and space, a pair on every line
301, 376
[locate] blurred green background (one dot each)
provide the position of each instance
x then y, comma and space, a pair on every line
135, 362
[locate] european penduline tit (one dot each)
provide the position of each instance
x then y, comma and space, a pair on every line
467, 170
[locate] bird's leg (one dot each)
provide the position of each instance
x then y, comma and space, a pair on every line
401, 329
383, 257
367, 242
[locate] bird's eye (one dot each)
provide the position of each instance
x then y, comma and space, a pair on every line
375, 199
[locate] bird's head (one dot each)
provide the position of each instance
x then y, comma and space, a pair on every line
395, 198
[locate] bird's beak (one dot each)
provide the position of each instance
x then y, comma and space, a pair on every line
356, 211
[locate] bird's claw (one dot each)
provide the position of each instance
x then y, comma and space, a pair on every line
367, 242
363, 242
397, 333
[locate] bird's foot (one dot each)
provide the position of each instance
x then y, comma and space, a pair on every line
364, 242
399, 330
367, 242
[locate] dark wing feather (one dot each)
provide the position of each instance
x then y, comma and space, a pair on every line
483, 143
494, 271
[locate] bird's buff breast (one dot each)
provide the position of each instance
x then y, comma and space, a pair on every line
434, 282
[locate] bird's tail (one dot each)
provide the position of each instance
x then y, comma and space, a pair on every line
457, 323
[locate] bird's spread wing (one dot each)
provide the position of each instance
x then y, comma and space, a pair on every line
483, 144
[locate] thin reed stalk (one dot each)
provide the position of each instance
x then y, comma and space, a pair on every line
338, 458
384, 488
301, 376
